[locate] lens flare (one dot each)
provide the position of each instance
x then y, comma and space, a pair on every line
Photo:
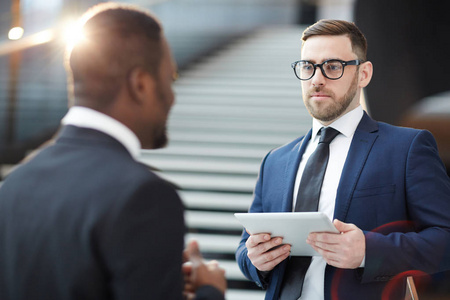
73, 34
15, 33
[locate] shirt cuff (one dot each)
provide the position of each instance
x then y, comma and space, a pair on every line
363, 263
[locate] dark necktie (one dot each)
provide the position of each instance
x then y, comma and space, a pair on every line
307, 200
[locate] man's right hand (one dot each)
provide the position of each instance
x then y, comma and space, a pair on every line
265, 252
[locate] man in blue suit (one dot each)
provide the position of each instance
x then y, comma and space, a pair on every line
385, 187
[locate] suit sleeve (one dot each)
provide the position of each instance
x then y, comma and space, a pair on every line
207, 292
246, 266
426, 246
142, 242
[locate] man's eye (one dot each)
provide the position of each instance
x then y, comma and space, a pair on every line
333, 67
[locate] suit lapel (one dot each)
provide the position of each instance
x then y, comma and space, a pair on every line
363, 140
292, 163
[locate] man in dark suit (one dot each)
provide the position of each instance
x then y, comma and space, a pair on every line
384, 186
83, 219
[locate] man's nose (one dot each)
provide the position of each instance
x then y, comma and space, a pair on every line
318, 78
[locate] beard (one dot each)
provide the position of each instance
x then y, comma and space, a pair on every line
160, 138
333, 110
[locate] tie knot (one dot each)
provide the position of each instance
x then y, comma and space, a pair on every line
327, 134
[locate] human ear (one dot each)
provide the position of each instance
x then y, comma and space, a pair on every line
140, 84
365, 74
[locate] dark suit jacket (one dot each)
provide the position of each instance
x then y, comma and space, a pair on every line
83, 220
393, 187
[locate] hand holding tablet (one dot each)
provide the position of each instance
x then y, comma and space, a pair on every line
294, 227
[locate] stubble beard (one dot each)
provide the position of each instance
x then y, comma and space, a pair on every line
331, 111
160, 138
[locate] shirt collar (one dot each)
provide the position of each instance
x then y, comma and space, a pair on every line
88, 118
346, 124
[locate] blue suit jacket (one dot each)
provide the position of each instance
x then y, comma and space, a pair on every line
393, 186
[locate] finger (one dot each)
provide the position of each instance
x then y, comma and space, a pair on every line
218, 270
269, 265
258, 252
191, 296
333, 262
329, 238
341, 255
188, 287
256, 239
329, 257
326, 246
194, 254
185, 256
319, 250
188, 295
186, 268
212, 265
273, 255
274, 242
343, 227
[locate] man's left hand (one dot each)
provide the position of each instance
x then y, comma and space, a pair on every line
345, 250
198, 273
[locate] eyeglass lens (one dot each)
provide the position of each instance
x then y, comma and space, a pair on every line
333, 69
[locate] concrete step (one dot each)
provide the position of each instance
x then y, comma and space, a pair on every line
216, 201
203, 164
212, 220
211, 182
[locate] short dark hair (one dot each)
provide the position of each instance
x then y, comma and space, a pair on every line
117, 38
340, 27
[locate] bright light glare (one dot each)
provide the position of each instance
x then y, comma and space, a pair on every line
73, 34
15, 33
42, 37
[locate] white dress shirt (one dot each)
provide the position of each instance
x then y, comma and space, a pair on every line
88, 118
313, 287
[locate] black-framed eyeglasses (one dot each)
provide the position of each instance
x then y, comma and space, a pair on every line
332, 69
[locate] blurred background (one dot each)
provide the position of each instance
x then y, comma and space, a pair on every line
237, 96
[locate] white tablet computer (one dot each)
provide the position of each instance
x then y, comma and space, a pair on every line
294, 227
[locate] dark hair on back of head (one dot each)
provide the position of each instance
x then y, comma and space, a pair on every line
117, 39
340, 27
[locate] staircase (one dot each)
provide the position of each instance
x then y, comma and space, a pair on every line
231, 109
